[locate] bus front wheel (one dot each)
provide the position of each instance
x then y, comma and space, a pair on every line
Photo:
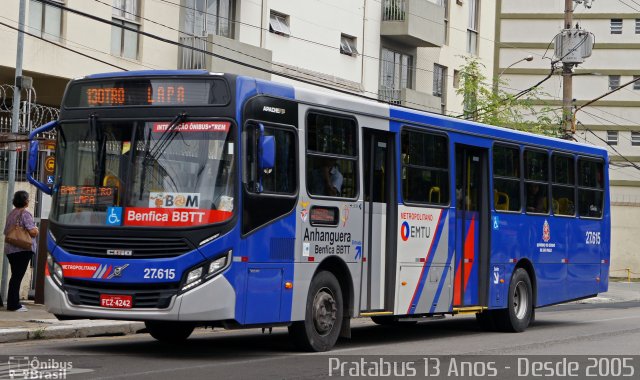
169, 332
323, 316
519, 312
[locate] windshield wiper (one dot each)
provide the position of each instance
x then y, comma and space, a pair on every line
158, 148
167, 136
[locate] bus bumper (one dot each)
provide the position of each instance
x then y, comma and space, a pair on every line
212, 301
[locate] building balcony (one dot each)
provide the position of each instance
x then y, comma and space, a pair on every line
410, 98
417, 23
249, 55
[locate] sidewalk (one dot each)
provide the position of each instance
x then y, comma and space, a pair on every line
38, 324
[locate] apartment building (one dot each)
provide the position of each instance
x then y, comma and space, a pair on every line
527, 28
401, 51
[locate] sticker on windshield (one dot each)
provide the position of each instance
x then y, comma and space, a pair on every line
195, 126
174, 200
174, 217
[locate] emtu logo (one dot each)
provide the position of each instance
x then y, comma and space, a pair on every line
405, 230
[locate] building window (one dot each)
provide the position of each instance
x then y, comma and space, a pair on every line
472, 30
635, 138
456, 78
204, 17
124, 43
446, 22
638, 26
612, 137
616, 26
440, 85
636, 85
348, 45
439, 78
279, 24
614, 82
396, 73
46, 19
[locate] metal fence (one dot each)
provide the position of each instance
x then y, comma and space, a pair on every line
389, 95
394, 10
31, 116
192, 59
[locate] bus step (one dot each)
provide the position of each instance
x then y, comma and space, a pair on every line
376, 313
422, 319
469, 309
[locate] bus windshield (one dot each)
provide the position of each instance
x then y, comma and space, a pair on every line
141, 173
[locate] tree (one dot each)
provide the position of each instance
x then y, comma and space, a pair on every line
490, 104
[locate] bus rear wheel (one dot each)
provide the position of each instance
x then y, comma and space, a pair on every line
169, 332
323, 316
519, 312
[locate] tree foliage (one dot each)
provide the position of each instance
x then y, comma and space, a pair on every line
490, 104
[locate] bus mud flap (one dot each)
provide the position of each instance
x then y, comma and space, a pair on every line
345, 331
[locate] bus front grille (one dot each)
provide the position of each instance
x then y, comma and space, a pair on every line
86, 293
125, 247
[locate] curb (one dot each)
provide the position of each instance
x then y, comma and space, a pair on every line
79, 329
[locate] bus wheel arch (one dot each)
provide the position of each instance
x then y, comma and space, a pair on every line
519, 313
528, 266
339, 268
324, 323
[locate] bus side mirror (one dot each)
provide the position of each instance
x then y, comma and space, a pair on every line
33, 156
267, 152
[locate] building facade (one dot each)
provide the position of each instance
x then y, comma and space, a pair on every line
401, 51
527, 28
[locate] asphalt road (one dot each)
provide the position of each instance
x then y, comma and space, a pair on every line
576, 329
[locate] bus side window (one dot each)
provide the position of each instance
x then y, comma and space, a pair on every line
506, 178
563, 189
282, 179
590, 188
425, 167
536, 176
331, 156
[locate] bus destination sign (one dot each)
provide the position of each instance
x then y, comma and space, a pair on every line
150, 92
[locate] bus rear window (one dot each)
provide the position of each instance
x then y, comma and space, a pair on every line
590, 188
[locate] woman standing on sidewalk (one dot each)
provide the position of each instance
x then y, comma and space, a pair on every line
19, 258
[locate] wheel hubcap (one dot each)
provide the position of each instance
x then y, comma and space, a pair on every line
324, 311
520, 300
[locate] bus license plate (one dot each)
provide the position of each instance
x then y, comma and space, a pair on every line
115, 301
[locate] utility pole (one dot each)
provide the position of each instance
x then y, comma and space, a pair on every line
15, 123
567, 77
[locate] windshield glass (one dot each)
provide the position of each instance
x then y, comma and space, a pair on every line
145, 174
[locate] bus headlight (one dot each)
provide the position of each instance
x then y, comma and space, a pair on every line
206, 271
55, 270
216, 265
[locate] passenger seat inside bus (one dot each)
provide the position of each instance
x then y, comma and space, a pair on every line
500, 200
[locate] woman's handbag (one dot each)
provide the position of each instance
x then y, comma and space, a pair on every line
18, 235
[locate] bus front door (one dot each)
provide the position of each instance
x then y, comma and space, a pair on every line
378, 264
470, 286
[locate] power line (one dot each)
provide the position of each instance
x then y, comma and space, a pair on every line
62, 46
135, 62
614, 149
307, 40
241, 63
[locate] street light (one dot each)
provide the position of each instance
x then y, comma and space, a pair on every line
528, 58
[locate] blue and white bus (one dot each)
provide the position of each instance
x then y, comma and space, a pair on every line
188, 198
